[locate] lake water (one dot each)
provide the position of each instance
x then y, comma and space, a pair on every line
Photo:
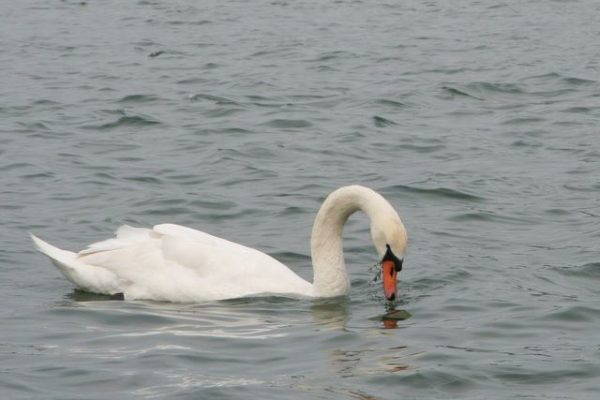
479, 121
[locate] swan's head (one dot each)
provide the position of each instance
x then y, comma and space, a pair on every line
390, 241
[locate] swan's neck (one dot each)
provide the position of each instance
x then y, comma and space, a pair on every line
330, 275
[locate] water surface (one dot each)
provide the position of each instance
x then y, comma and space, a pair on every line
477, 120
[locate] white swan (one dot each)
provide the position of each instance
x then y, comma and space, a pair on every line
174, 263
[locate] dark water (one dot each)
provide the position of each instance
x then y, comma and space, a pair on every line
478, 120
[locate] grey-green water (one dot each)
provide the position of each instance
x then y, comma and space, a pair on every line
479, 121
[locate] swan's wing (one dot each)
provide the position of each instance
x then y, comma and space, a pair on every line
133, 255
125, 236
210, 255
234, 269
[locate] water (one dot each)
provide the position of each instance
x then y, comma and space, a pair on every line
477, 120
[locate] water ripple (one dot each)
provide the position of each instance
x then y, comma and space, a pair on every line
441, 193
125, 120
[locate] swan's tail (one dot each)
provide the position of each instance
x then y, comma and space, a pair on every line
85, 276
61, 258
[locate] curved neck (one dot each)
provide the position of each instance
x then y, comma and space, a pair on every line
330, 275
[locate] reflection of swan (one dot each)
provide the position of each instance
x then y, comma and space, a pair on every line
330, 314
175, 263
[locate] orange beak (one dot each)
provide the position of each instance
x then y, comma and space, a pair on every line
389, 279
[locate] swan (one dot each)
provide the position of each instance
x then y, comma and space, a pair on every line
178, 264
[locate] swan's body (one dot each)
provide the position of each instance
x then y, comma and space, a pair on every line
174, 263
